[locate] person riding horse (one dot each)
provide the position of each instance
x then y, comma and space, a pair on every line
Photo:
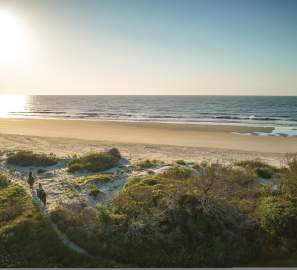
30, 180
41, 194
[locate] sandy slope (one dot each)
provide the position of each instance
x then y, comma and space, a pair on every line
66, 147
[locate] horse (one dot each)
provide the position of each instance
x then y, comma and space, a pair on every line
41, 194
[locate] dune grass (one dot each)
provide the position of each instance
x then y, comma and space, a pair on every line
3, 181
178, 172
93, 162
115, 152
29, 158
262, 169
146, 164
180, 162
95, 179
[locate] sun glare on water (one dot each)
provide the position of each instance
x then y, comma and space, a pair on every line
10, 104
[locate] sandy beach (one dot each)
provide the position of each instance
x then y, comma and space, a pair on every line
144, 140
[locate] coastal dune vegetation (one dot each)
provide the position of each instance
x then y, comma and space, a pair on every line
184, 214
29, 158
95, 162
27, 240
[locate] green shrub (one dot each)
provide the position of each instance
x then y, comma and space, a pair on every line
145, 164
95, 179
178, 172
278, 216
3, 181
28, 241
28, 158
264, 172
289, 181
262, 169
93, 162
158, 221
180, 162
115, 152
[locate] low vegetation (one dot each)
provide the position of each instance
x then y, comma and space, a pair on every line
94, 162
29, 158
3, 181
146, 164
180, 162
262, 169
179, 172
206, 215
115, 152
178, 218
26, 240
97, 179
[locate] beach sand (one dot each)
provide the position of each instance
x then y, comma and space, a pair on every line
137, 140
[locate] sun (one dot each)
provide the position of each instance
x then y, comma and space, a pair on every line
12, 36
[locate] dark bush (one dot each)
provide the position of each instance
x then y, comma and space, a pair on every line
264, 172
28, 158
262, 169
3, 181
180, 162
93, 162
115, 152
178, 172
145, 164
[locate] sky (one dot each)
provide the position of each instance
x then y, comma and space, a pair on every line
142, 47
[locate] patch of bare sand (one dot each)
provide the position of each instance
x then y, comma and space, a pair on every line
68, 146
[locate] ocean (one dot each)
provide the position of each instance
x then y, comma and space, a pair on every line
275, 111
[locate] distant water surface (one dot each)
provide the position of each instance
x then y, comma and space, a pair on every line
278, 112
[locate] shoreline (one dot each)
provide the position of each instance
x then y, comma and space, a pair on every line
152, 121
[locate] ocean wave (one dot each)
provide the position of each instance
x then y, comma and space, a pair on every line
265, 111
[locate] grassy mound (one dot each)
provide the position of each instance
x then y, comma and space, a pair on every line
115, 152
146, 164
93, 162
27, 240
3, 181
262, 169
180, 162
28, 158
95, 179
178, 172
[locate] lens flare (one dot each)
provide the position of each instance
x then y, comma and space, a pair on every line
12, 36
